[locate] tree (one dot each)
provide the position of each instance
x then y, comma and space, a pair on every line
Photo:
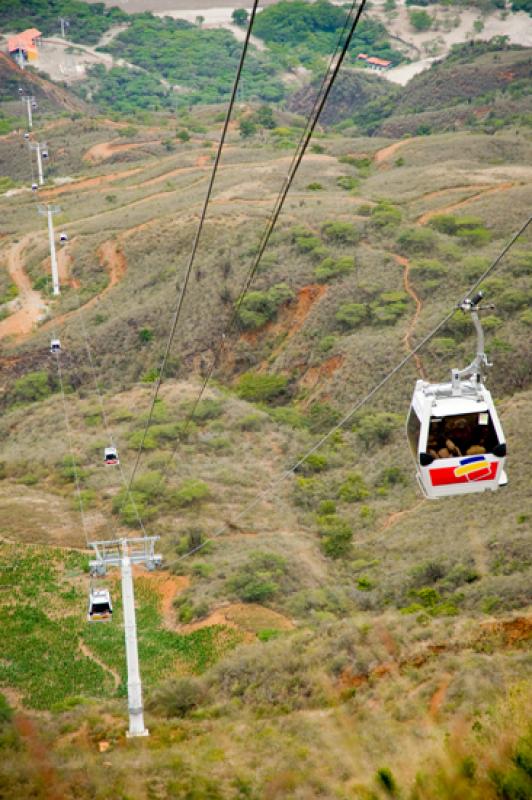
420, 20
247, 128
240, 17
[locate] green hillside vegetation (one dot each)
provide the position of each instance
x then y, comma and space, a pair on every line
333, 634
300, 31
202, 62
478, 85
87, 21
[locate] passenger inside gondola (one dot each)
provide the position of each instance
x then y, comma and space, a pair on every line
461, 435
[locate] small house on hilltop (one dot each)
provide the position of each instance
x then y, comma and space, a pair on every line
374, 63
24, 45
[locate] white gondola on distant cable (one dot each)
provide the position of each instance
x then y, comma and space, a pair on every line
454, 430
26, 135
34, 187
33, 104
63, 238
55, 346
44, 153
111, 456
100, 606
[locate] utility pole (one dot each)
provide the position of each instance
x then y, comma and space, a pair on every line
49, 211
124, 553
38, 147
64, 24
28, 99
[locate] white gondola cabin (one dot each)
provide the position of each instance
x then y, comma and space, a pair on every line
100, 606
34, 104
44, 153
111, 456
34, 187
454, 431
63, 237
26, 135
55, 346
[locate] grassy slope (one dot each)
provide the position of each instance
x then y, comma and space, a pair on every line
318, 698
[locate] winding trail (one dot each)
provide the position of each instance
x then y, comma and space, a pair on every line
385, 153
407, 338
32, 307
428, 215
104, 150
106, 668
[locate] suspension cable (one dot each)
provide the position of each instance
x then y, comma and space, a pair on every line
195, 244
321, 98
360, 403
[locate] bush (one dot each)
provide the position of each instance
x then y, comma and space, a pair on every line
177, 698
259, 578
332, 268
417, 240
353, 489
385, 214
315, 462
336, 535
322, 417
261, 388
341, 232
377, 427
190, 492
31, 388
420, 20
352, 315
257, 308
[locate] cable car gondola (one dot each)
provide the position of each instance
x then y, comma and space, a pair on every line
55, 346
100, 606
110, 455
454, 431
63, 237
34, 187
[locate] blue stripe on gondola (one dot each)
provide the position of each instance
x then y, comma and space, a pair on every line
472, 459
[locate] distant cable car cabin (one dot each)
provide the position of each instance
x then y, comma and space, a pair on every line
55, 346
111, 456
34, 187
44, 153
26, 135
100, 606
34, 104
454, 431
63, 238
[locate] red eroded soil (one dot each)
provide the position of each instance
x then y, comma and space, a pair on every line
31, 306
87, 183
291, 318
387, 152
104, 150
438, 698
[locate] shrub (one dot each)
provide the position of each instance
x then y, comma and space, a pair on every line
259, 578
336, 535
341, 232
386, 781
257, 308
420, 20
385, 214
353, 489
146, 335
417, 240
5, 710
352, 315
287, 415
332, 268
190, 492
322, 417
315, 187
428, 269
376, 427
347, 182
261, 388
183, 136
177, 698
306, 242
31, 388
327, 343
388, 307
315, 462
210, 408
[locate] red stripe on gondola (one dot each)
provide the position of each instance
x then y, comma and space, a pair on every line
443, 476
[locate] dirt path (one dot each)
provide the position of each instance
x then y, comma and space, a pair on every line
104, 150
40, 760
387, 152
64, 267
428, 215
397, 515
31, 306
106, 668
88, 183
407, 338
168, 587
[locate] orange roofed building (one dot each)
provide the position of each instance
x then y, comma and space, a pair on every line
378, 64
25, 43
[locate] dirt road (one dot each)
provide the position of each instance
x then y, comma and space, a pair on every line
32, 308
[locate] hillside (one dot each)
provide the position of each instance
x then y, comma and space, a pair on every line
336, 635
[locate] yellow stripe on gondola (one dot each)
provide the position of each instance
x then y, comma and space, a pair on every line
467, 469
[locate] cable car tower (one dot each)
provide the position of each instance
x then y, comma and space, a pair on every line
454, 430
123, 553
